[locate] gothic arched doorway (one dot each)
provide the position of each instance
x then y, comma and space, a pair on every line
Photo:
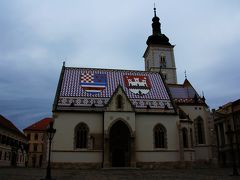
120, 141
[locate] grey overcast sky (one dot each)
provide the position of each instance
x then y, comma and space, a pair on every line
37, 36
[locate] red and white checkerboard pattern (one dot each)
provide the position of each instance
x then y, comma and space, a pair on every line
87, 78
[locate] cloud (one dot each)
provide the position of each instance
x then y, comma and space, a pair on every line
36, 36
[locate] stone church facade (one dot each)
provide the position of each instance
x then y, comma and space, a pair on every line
126, 118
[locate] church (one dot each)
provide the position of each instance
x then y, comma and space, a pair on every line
126, 118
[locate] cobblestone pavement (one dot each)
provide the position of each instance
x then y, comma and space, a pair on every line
118, 174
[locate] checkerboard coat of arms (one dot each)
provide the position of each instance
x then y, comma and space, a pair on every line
139, 85
93, 82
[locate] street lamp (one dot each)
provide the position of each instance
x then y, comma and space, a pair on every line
50, 133
230, 134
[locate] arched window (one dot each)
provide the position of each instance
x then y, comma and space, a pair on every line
81, 135
199, 130
185, 137
119, 101
163, 61
160, 136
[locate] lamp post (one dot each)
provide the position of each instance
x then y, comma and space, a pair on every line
230, 134
50, 133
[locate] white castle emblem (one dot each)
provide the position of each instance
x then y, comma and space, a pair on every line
137, 84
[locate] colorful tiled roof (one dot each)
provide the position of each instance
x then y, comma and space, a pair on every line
83, 87
40, 125
185, 93
8, 125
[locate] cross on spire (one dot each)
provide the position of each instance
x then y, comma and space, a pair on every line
185, 73
154, 8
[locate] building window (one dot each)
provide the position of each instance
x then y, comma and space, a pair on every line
163, 61
7, 141
3, 139
119, 101
222, 134
28, 136
185, 137
0, 155
199, 130
160, 136
36, 136
35, 147
5, 156
81, 135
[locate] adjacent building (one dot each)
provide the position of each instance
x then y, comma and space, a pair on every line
128, 118
37, 142
227, 117
13, 144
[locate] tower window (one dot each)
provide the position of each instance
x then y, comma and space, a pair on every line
163, 61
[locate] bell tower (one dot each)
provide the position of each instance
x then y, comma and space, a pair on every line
159, 55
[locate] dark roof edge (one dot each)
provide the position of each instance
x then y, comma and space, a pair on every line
169, 93
58, 88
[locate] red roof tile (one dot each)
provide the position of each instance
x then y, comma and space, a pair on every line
40, 125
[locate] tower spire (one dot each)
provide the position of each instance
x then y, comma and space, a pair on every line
156, 25
157, 37
154, 8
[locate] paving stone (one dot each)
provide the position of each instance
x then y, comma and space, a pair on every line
121, 174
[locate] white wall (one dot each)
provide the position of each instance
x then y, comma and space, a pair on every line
65, 124
145, 124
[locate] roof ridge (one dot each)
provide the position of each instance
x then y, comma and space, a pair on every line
39, 125
9, 125
85, 68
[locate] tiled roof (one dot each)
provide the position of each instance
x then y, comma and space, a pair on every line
84, 87
184, 93
40, 125
8, 125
